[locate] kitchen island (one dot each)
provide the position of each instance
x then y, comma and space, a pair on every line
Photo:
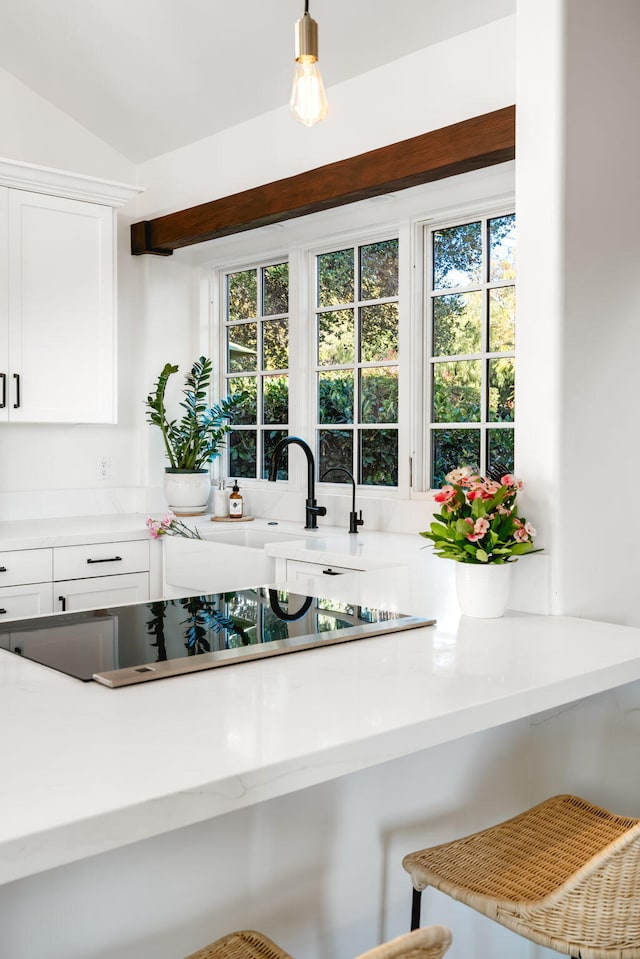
410, 736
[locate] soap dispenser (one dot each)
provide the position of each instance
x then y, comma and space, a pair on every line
235, 501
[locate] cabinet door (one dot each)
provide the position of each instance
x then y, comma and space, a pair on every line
100, 592
17, 602
61, 310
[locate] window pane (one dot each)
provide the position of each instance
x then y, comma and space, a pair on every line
502, 319
275, 289
500, 452
457, 256
335, 278
379, 332
457, 324
336, 334
501, 390
451, 449
275, 345
379, 457
269, 440
379, 395
242, 454
242, 295
248, 411
335, 449
379, 270
242, 348
456, 391
335, 396
276, 399
502, 248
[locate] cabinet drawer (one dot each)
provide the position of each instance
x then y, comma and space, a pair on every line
19, 566
297, 569
100, 559
17, 602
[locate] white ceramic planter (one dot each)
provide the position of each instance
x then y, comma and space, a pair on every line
483, 591
187, 491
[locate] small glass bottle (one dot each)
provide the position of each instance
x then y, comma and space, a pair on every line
235, 501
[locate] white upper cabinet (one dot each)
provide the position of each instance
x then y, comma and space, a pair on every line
57, 297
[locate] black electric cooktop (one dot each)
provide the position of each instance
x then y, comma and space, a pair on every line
145, 641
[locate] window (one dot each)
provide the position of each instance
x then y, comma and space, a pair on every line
256, 307
356, 363
471, 319
387, 341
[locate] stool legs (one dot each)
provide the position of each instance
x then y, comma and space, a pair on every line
415, 909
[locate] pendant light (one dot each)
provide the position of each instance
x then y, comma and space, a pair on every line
308, 100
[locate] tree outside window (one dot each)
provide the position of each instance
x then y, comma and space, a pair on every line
356, 364
471, 311
256, 321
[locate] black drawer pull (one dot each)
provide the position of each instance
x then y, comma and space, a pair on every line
109, 559
4, 390
16, 377
3, 569
3, 612
330, 572
62, 599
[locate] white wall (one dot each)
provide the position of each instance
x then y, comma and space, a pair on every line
399, 100
468, 75
579, 295
53, 470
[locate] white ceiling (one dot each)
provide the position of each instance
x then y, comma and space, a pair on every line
149, 76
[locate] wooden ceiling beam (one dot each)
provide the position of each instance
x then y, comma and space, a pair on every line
469, 145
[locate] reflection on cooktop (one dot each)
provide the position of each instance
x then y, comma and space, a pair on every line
124, 645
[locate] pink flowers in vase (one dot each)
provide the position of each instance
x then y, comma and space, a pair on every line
478, 521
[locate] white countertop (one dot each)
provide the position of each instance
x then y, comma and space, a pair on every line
86, 769
71, 531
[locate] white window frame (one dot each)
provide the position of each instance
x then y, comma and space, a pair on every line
424, 336
299, 241
355, 241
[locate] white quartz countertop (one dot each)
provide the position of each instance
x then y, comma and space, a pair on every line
71, 531
86, 769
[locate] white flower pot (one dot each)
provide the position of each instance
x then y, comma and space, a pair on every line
483, 590
187, 491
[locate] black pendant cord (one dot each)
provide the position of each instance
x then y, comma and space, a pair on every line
306, 6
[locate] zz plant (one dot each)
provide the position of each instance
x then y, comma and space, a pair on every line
194, 440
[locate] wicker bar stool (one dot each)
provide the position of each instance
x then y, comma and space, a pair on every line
565, 874
430, 942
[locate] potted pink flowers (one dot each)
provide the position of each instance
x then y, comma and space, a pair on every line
479, 528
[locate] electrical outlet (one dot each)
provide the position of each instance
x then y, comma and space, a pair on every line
104, 468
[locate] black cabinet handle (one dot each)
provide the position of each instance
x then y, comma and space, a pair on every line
3, 569
2, 612
63, 600
4, 390
108, 559
330, 572
16, 377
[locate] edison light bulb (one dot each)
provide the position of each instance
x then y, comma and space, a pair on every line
308, 99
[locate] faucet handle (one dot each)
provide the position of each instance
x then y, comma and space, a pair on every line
355, 521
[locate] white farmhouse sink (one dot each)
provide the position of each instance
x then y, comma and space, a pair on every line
223, 559
251, 537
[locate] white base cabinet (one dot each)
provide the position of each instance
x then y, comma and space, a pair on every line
99, 592
34, 582
20, 602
